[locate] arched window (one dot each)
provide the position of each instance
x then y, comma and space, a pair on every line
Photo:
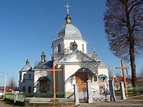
23, 89
29, 89
29, 76
59, 47
82, 47
24, 76
71, 46
20, 76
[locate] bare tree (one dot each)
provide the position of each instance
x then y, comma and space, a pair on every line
124, 28
11, 83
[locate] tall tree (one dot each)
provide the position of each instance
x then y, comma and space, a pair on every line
124, 29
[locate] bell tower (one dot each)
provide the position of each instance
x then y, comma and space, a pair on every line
69, 39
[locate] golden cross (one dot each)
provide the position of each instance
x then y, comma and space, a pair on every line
54, 77
124, 76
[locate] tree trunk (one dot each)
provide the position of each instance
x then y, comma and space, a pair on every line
133, 67
131, 49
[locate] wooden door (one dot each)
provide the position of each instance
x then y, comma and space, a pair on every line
81, 79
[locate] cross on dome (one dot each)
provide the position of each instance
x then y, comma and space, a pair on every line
67, 6
67, 18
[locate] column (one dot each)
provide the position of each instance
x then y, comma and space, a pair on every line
112, 92
89, 92
76, 97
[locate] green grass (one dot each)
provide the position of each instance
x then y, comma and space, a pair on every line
131, 91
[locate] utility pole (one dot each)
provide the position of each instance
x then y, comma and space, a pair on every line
5, 85
124, 76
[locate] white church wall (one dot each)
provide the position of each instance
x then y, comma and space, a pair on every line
69, 71
103, 71
59, 81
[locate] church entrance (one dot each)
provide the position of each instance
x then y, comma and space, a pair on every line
44, 84
81, 79
82, 75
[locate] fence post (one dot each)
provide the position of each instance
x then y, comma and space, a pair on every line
123, 96
15, 96
112, 92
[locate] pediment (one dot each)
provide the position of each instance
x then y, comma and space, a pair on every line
76, 56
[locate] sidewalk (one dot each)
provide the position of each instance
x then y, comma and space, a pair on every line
120, 103
136, 101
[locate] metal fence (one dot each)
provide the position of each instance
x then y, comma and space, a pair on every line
21, 96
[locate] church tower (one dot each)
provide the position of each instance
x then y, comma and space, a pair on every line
68, 40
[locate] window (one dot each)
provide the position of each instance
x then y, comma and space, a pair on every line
82, 47
23, 88
20, 76
29, 76
24, 76
71, 46
29, 89
59, 47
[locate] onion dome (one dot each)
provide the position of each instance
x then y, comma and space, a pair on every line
27, 67
68, 30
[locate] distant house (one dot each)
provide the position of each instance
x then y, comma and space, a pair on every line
8, 90
118, 79
1, 91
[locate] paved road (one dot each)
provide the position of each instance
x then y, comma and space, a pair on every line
2, 104
119, 103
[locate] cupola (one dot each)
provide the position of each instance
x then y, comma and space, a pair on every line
43, 57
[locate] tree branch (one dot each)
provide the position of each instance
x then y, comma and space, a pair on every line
138, 3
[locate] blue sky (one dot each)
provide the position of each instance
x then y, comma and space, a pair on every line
27, 27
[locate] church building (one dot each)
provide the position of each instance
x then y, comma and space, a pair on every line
69, 54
